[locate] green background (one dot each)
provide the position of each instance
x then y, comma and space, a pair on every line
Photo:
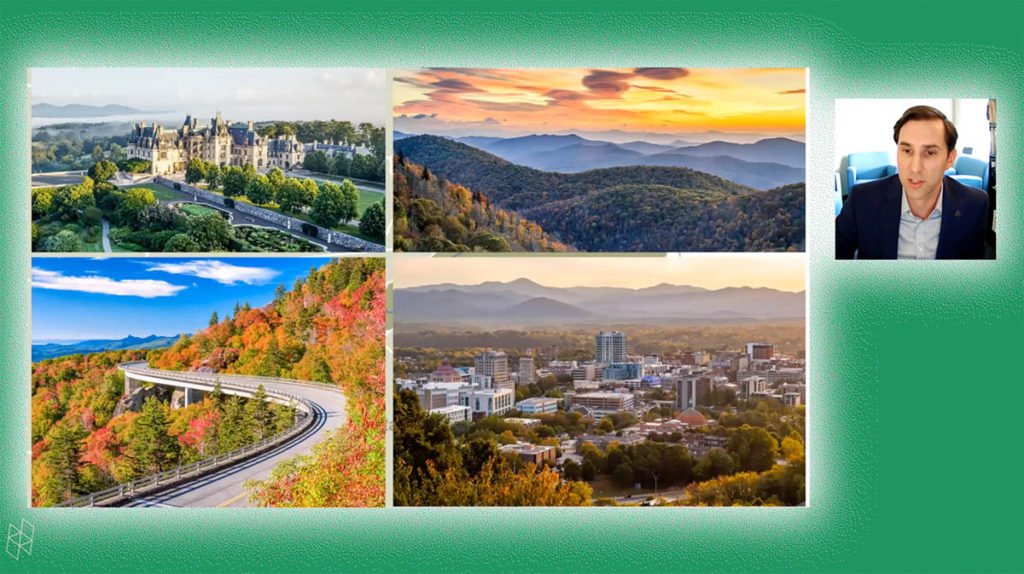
916, 407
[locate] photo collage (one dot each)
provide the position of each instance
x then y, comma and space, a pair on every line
364, 288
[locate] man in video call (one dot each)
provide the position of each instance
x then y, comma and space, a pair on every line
919, 213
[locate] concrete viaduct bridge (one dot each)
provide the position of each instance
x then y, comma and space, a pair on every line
219, 482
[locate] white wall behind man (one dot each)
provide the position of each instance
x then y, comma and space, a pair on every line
865, 125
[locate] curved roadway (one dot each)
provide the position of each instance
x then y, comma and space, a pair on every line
224, 487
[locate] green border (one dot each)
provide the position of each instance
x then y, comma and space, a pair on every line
916, 376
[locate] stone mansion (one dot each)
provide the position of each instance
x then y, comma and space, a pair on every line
222, 142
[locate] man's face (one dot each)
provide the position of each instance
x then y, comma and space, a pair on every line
922, 157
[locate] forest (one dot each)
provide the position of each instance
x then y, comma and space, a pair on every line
637, 208
86, 438
328, 328
432, 214
69, 218
462, 464
363, 166
73, 146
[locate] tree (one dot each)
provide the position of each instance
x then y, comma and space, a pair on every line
234, 182
71, 200
571, 470
716, 463
62, 459
42, 201
310, 190
623, 475
64, 241
210, 232
97, 153
276, 178
316, 161
258, 414
133, 201
102, 170
216, 395
234, 432
373, 221
351, 203
489, 242
752, 448
212, 175
260, 190
322, 371
291, 195
181, 243
364, 166
152, 447
588, 470
331, 204
342, 165
248, 172
214, 319
195, 171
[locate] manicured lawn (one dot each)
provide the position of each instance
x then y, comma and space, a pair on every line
366, 199
160, 192
198, 210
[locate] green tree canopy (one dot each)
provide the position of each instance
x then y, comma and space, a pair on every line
195, 171
102, 170
372, 224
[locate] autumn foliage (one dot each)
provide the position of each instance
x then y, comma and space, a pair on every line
329, 328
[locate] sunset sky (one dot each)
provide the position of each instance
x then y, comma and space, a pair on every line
513, 102
782, 271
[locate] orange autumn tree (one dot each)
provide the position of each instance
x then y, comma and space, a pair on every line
328, 328
348, 469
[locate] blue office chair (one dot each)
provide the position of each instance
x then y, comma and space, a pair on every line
838, 194
970, 171
867, 166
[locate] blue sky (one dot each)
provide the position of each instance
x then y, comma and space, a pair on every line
83, 298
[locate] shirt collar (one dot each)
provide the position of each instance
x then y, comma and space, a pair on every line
905, 206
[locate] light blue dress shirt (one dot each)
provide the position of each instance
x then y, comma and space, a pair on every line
919, 238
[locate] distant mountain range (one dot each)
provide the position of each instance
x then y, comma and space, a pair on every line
523, 303
619, 209
765, 164
50, 350
82, 111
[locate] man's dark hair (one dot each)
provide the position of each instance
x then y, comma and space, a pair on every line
926, 113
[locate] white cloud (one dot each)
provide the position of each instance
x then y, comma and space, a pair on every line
146, 288
219, 271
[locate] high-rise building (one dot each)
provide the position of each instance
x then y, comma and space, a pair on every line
691, 391
527, 374
494, 364
610, 347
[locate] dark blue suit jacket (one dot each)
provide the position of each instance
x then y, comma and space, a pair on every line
869, 224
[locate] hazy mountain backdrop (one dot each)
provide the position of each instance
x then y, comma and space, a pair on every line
523, 303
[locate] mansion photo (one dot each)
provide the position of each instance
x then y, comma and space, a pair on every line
222, 143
